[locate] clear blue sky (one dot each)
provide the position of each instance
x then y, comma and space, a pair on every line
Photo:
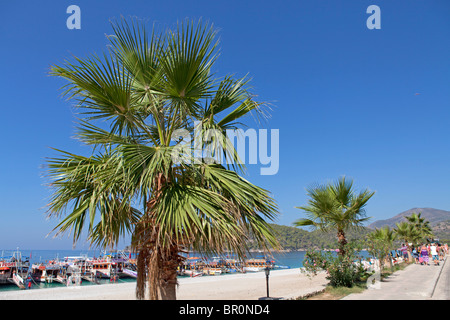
345, 96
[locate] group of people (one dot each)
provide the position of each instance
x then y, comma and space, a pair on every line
423, 253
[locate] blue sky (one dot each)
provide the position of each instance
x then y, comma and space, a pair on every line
369, 104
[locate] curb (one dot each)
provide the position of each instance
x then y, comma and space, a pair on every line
438, 277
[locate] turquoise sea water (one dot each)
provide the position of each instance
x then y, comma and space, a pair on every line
290, 259
283, 259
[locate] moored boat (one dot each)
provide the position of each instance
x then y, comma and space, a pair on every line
256, 265
101, 267
45, 272
13, 269
192, 273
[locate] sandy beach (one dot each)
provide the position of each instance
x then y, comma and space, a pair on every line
284, 284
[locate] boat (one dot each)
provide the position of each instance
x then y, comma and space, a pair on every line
212, 271
74, 279
130, 272
6, 271
18, 280
192, 266
192, 273
129, 267
113, 265
281, 267
45, 272
13, 269
101, 267
233, 265
256, 265
61, 278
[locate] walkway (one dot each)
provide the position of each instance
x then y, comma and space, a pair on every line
415, 282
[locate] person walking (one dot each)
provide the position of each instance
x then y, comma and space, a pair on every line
440, 250
404, 250
424, 254
434, 254
415, 254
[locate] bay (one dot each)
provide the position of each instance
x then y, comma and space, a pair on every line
292, 259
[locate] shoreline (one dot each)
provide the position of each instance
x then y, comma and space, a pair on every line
283, 284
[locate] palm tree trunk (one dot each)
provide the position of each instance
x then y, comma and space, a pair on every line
342, 242
142, 272
390, 262
168, 274
161, 264
162, 274
157, 266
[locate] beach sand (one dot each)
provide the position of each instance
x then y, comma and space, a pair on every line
284, 284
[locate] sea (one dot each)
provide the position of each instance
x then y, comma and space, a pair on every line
283, 260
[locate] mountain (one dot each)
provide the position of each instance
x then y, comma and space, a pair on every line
442, 231
435, 216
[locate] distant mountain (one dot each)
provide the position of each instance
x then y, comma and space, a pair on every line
435, 216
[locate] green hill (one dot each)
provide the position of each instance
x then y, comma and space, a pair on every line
292, 238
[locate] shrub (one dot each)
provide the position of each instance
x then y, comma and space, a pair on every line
341, 270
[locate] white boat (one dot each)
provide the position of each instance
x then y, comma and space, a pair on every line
253, 269
193, 273
75, 260
212, 271
101, 267
61, 279
130, 272
13, 269
18, 280
74, 280
257, 265
47, 272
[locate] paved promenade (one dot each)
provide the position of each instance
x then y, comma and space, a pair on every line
415, 282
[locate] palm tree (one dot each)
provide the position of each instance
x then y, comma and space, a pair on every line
335, 207
381, 243
139, 105
409, 233
421, 225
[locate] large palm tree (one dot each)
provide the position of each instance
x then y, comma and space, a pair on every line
140, 104
335, 206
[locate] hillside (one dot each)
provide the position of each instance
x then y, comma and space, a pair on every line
435, 216
292, 238
442, 231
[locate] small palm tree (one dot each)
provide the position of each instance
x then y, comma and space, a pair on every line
381, 242
421, 225
408, 233
136, 102
335, 207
